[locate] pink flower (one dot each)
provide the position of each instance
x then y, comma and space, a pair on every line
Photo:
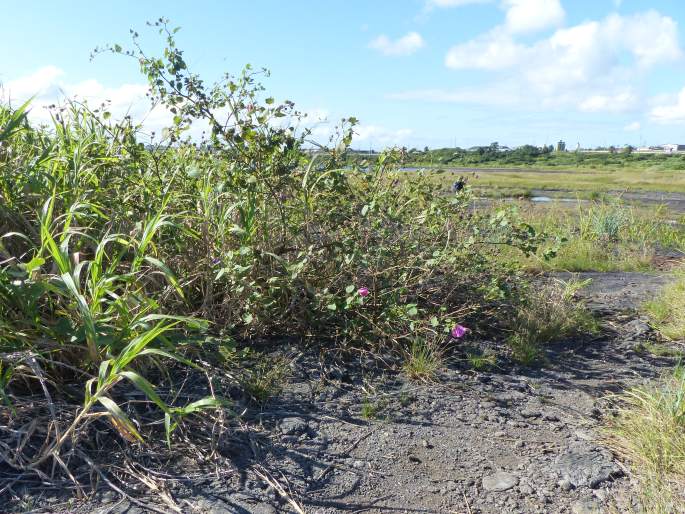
459, 331
363, 292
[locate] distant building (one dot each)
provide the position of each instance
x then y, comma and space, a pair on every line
673, 148
561, 146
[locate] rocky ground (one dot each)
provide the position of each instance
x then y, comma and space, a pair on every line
364, 439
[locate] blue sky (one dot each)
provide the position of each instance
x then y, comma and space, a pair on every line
415, 72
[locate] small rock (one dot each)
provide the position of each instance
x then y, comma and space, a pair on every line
637, 328
530, 413
565, 485
586, 468
585, 507
500, 433
109, 496
293, 426
584, 435
548, 416
526, 489
601, 494
500, 481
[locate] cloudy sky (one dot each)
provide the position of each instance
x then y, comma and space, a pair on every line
415, 72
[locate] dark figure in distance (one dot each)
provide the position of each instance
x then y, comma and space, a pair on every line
458, 185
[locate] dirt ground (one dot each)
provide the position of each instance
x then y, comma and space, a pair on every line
362, 438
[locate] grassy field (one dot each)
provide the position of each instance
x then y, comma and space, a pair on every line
588, 182
602, 236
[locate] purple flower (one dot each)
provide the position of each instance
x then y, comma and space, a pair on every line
363, 292
459, 331
216, 262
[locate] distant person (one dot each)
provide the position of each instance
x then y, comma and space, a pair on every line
458, 185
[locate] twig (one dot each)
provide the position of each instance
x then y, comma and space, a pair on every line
344, 452
117, 489
264, 475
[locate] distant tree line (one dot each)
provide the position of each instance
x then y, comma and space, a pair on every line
494, 155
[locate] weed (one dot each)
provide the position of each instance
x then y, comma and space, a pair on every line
604, 222
649, 432
668, 309
266, 378
659, 349
423, 361
369, 410
483, 361
547, 314
525, 349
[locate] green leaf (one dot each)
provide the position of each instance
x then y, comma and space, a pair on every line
146, 387
122, 423
168, 274
34, 263
204, 403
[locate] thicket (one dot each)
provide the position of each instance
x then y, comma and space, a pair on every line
131, 267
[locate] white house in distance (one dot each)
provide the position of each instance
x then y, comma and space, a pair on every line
668, 149
674, 148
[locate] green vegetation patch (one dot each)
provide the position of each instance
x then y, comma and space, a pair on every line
649, 432
668, 310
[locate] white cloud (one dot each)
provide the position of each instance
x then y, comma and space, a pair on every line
41, 83
491, 51
633, 127
406, 45
650, 36
49, 86
521, 15
533, 15
594, 66
621, 102
432, 4
379, 136
669, 109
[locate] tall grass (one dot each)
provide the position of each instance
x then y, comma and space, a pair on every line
649, 432
667, 311
549, 313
